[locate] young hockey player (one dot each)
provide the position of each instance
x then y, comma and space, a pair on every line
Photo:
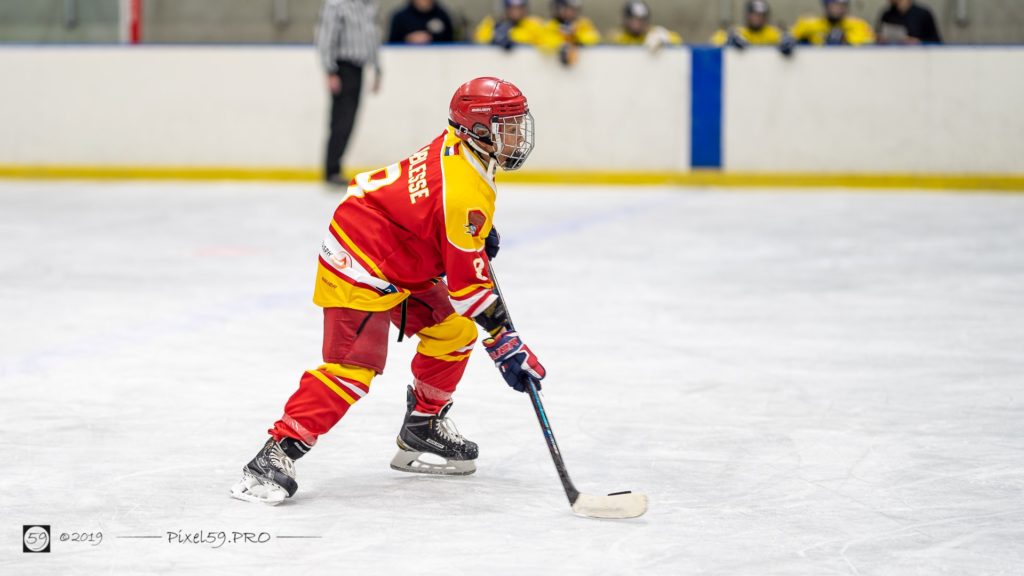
515, 27
637, 29
567, 31
410, 245
755, 31
834, 27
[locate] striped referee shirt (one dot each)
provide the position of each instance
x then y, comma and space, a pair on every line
348, 31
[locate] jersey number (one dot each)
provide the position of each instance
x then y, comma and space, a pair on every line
373, 181
481, 267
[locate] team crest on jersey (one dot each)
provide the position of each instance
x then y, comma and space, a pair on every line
341, 261
477, 219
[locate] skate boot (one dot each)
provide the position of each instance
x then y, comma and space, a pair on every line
268, 478
430, 444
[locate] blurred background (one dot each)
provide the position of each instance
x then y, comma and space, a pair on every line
227, 21
695, 92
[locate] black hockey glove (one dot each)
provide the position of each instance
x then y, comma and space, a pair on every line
492, 243
787, 46
836, 37
736, 40
503, 35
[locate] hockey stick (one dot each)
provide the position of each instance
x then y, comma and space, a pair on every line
615, 505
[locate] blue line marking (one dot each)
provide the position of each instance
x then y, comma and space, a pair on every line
706, 108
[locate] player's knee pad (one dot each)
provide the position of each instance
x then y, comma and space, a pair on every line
452, 339
355, 338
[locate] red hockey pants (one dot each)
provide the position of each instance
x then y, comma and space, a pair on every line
355, 350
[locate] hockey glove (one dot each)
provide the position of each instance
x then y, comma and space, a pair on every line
836, 37
517, 363
736, 40
787, 46
503, 35
492, 243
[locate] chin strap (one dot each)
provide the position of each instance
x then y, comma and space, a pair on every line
474, 144
492, 160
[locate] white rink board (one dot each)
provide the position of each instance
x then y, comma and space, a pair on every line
804, 384
949, 110
266, 107
875, 110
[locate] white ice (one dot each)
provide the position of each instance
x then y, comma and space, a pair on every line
803, 382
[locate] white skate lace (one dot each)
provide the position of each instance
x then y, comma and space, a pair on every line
448, 431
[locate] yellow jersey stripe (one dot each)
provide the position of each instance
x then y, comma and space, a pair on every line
360, 253
469, 289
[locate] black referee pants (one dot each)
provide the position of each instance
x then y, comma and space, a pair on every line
343, 116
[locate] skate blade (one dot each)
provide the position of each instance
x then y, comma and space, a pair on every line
420, 463
251, 488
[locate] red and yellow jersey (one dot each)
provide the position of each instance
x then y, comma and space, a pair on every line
402, 227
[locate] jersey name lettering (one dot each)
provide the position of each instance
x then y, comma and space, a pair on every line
418, 176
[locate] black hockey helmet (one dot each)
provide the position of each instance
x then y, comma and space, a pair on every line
637, 9
759, 7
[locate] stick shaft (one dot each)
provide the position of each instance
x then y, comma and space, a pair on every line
556, 455
542, 417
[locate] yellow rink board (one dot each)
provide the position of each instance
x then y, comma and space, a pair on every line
710, 178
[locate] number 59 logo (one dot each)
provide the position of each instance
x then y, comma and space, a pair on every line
35, 538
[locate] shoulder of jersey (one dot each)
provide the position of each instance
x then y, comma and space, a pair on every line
462, 166
468, 191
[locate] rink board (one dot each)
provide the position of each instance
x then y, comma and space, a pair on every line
896, 117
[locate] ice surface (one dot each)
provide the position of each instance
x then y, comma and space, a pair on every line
803, 383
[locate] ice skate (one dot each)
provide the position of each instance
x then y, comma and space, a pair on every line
430, 444
268, 478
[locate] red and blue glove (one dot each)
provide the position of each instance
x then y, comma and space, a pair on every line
517, 363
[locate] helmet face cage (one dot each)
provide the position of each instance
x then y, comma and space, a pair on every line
513, 139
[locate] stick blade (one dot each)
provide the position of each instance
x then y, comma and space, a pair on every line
617, 505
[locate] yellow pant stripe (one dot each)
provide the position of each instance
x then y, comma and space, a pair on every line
357, 373
445, 339
330, 384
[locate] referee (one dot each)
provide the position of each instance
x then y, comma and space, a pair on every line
348, 40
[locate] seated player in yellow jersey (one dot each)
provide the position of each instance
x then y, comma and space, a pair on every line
516, 26
410, 245
756, 31
568, 31
637, 29
835, 27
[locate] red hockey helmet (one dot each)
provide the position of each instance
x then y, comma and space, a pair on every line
494, 112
